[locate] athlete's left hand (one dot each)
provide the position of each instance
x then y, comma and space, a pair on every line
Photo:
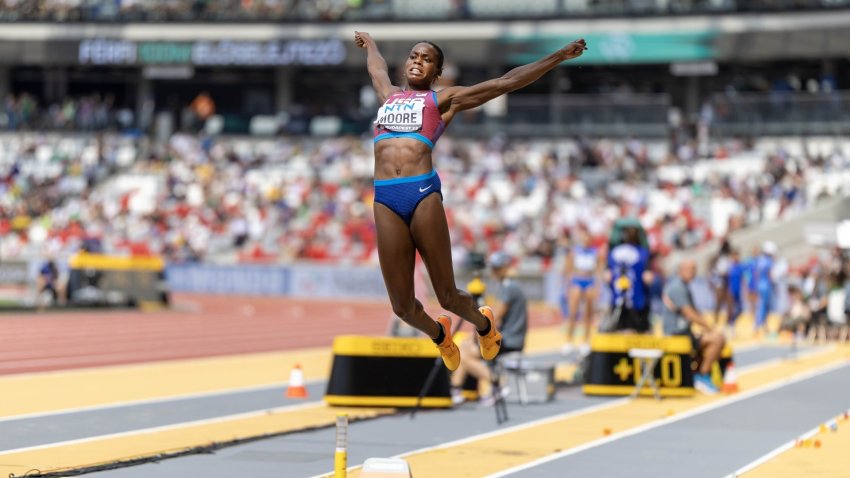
574, 49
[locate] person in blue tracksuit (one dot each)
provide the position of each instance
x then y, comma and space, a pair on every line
750, 279
764, 284
737, 271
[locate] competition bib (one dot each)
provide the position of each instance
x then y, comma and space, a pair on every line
402, 114
585, 262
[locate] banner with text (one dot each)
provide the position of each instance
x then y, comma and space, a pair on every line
101, 51
236, 279
344, 282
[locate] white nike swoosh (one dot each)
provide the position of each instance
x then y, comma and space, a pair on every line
422, 190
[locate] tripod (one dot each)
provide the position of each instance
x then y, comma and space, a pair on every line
476, 288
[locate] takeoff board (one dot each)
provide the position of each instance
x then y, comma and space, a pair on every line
610, 370
386, 371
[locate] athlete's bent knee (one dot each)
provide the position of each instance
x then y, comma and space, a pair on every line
404, 311
450, 299
446, 298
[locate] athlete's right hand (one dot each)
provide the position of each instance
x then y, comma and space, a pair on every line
362, 39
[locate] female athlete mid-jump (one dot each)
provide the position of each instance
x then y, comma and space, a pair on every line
409, 214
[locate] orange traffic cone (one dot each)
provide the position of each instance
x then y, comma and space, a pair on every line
295, 388
730, 379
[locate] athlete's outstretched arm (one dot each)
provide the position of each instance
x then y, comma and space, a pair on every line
376, 66
458, 98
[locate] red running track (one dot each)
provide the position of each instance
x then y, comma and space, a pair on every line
197, 326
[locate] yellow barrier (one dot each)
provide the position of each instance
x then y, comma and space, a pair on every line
385, 372
610, 370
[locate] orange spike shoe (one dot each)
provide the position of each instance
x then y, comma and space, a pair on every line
492, 342
448, 349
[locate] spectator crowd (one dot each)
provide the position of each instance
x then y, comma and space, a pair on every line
287, 199
333, 10
93, 112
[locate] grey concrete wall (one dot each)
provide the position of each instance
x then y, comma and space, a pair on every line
788, 234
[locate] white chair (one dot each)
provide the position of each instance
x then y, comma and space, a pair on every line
647, 359
510, 366
263, 125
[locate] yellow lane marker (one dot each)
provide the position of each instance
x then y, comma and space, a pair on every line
517, 447
47, 393
35, 394
40, 394
188, 376
820, 452
673, 415
174, 438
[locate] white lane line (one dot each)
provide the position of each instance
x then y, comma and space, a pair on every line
257, 388
149, 401
582, 411
541, 421
665, 421
772, 454
161, 428
171, 398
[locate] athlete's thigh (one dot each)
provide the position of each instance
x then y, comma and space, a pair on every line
431, 235
396, 253
590, 298
574, 297
591, 295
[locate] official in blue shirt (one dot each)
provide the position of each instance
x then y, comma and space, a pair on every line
736, 287
750, 278
629, 278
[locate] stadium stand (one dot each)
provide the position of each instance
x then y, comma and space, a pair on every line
336, 10
244, 199
204, 148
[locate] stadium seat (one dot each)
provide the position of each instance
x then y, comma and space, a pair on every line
419, 9
490, 8
264, 125
325, 125
214, 125
577, 6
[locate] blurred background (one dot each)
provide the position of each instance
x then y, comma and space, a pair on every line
186, 187
231, 139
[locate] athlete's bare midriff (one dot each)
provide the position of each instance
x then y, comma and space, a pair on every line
401, 157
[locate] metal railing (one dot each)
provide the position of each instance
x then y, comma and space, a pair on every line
601, 115
560, 115
781, 113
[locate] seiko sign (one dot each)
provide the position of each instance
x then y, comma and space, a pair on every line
296, 52
205, 53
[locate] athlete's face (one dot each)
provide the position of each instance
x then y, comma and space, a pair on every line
420, 69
